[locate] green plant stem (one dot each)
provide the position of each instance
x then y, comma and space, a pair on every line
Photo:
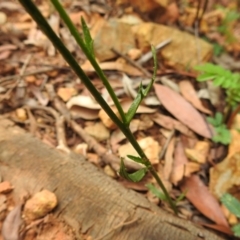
45, 27
91, 58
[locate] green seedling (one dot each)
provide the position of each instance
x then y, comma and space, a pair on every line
222, 134
223, 78
217, 49
225, 28
159, 194
233, 205
85, 42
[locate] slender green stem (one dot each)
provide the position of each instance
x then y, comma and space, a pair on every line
160, 183
89, 55
45, 27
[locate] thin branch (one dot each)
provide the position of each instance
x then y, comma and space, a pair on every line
135, 64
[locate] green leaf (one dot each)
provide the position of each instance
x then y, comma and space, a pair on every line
156, 192
181, 196
206, 76
148, 88
223, 135
134, 106
231, 203
212, 121
217, 49
87, 36
219, 118
219, 80
136, 159
236, 230
210, 68
142, 92
134, 177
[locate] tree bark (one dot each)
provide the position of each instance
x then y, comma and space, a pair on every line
91, 202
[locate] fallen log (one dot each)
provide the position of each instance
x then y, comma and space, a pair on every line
91, 202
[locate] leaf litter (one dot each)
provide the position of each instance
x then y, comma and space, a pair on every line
175, 104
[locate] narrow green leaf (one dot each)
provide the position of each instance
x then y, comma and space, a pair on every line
148, 88
134, 177
87, 36
156, 192
123, 173
134, 106
138, 175
236, 230
231, 203
136, 159
142, 92
181, 196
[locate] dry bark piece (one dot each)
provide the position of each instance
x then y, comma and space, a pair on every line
40, 205
5, 187
104, 204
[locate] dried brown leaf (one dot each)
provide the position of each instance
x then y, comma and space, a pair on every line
182, 110
199, 195
190, 95
168, 164
179, 162
170, 123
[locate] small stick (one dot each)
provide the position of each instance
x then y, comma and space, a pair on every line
135, 64
149, 55
99, 149
60, 128
4, 79
166, 144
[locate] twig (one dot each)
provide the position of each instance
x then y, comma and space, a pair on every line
149, 55
135, 64
20, 84
24, 66
4, 79
166, 144
122, 224
60, 128
62, 144
32, 120
105, 156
